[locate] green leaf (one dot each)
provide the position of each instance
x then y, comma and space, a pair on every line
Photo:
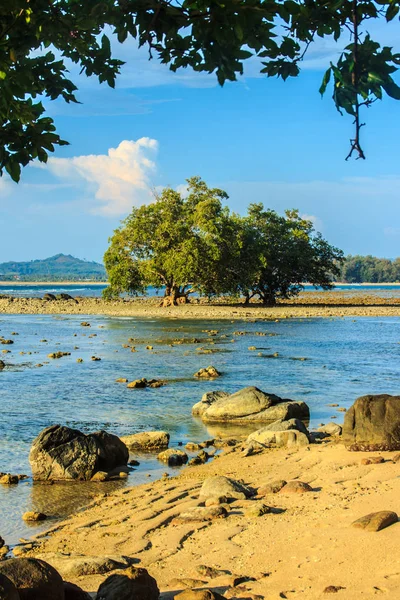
325, 80
392, 89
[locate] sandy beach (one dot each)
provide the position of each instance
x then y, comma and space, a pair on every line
303, 546
326, 304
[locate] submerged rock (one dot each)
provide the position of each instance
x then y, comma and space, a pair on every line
173, 457
251, 405
373, 424
34, 579
146, 441
60, 453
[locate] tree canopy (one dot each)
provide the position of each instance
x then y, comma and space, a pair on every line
39, 38
370, 269
195, 244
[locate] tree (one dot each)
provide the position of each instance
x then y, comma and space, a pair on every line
181, 244
38, 39
289, 253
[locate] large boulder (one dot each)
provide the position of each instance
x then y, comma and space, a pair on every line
74, 592
60, 453
132, 584
207, 399
8, 591
147, 441
373, 424
78, 565
281, 433
34, 579
251, 405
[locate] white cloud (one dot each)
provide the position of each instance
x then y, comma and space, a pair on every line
316, 221
112, 182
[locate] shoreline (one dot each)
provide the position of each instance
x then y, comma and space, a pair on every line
307, 305
44, 283
303, 546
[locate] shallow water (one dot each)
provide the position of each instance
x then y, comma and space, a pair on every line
345, 358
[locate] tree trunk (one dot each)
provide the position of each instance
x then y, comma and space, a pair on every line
268, 299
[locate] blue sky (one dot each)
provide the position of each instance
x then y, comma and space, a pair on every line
261, 140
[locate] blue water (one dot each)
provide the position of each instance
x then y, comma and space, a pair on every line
345, 358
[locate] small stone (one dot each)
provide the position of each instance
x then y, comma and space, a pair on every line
208, 373
121, 380
9, 479
333, 589
200, 513
296, 487
95, 358
149, 347
137, 384
373, 460
100, 476
211, 572
79, 360
34, 516
85, 324
376, 521
173, 457
258, 510
186, 582
216, 501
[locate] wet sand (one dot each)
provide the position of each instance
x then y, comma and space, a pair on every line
319, 304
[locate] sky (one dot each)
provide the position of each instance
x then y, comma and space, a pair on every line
261, 140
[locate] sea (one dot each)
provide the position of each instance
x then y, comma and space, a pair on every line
322, 361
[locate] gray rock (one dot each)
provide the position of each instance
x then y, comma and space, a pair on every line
60, 453
75, 565
219, 485
33, 578
132, 584
373, 424
207, 399
272, 434
330, 429
146, 441
251, 405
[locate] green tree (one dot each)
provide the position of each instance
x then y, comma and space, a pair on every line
289, 253
181, 244
38, 39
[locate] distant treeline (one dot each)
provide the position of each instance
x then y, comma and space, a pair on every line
370, 269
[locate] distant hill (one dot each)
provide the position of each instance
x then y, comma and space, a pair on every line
60, 267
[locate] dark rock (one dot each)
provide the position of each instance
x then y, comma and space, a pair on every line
372, 424
60, 453
173, 457
49, 297
73, 592
8, 591
33, 578
333, 589
132, 584
2, 365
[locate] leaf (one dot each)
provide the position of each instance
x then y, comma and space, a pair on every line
392, 11
13, 168
325, 80
391, 88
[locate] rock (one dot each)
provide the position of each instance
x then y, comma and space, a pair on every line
6, 342
95, 358
198, 595
372, 424
211, 572
376, 521
333, 589
2, 542
207, 399
85, 324
58, 354
192, 447
271, 488
60, 453
64, 296
202, 513
121, 380
373, 460
34, 516
252, 405
8, 479
272, 434
207, 373
137, 384
49, 297
216, 500
296, 487
146, 441
330, 429
77, 565
33, 578
8, 591
173, 457
2, 365
258, 510
73, 592
100, 476
132, 584
186, 582
223, 486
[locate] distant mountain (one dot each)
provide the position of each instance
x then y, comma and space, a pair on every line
60, 267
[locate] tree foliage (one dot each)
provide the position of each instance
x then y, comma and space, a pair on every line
195, 244
38, 39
